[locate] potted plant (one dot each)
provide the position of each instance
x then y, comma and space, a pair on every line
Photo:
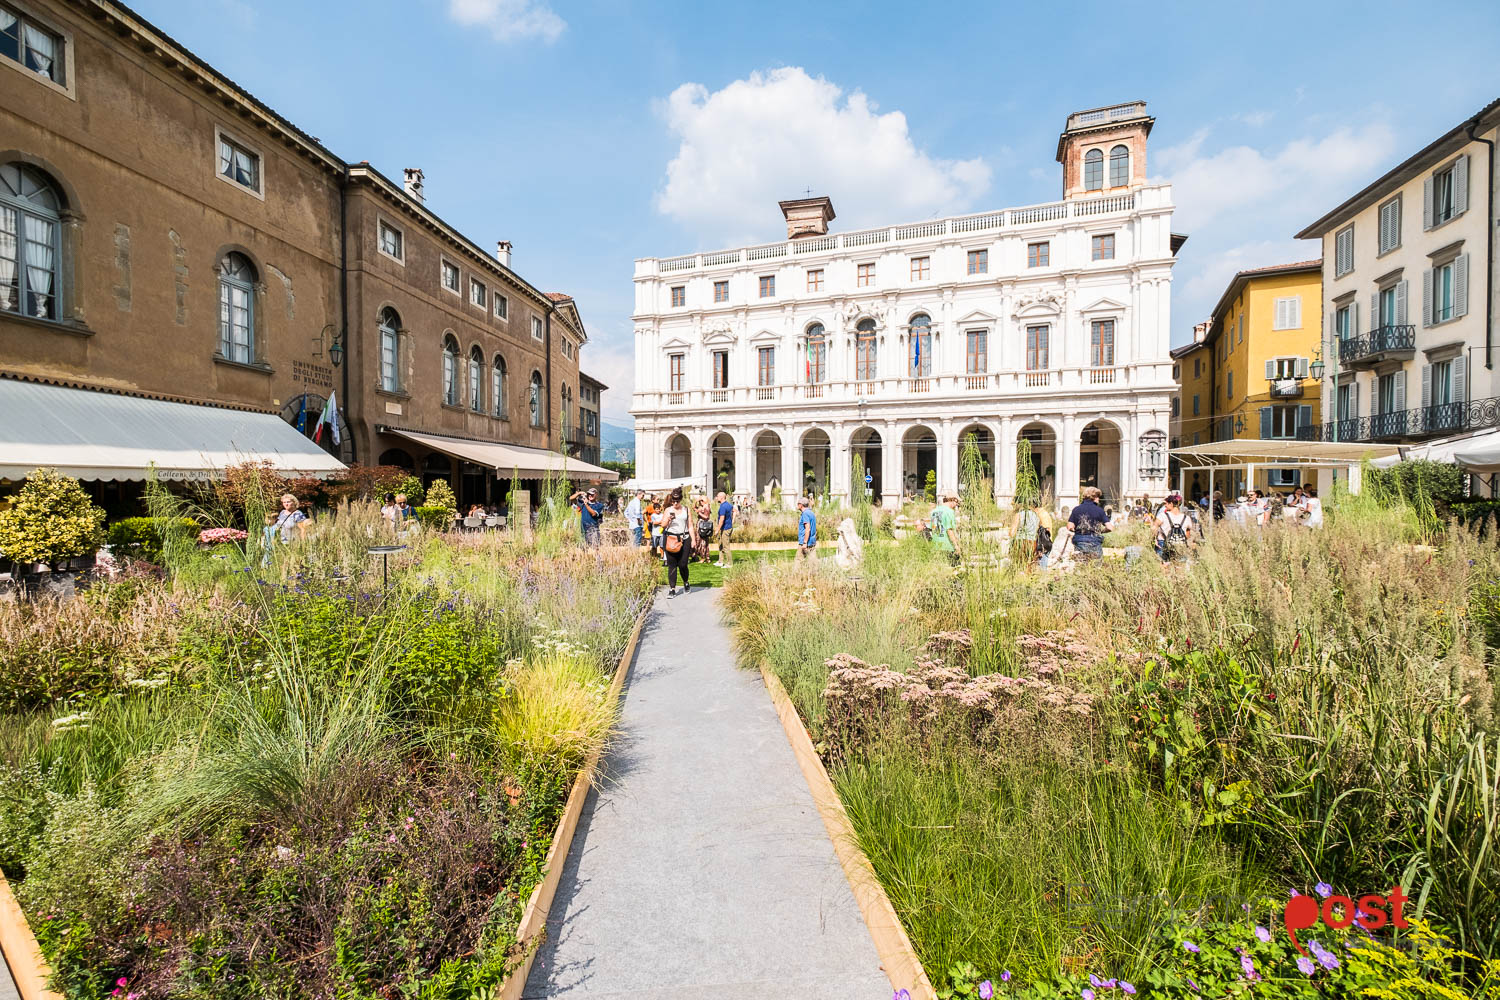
52, 524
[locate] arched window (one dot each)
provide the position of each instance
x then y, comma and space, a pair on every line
864, 350
476, 380
1119, 167
390, 350
497, 388
237, 308
567, 409
534, 402
30, 242
1093, 170
921, 345
450, 370
817, 354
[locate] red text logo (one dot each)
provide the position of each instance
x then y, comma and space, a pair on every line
1338, 912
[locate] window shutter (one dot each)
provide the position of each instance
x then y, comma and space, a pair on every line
1304, 418
1353, 399
1354, 319
1460, 384
1427, 203
1461, 186
1270, 368
1374, 310
1401, 302
1461, 284
1302, 368
1400, 393
1265, 422
1385, 227
1426, 386
1294, 312
1427, 297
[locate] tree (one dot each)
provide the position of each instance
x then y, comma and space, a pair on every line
50, 520
930, 488
440, 494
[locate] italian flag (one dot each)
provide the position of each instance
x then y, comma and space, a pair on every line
328, 418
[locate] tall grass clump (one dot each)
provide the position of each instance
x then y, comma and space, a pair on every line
556, 715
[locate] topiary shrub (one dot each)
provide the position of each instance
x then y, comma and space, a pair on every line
50, 520
416, 493
930, 488
440, 518
141, 537
440, 494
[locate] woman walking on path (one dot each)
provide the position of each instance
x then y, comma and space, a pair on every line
677, 542
705, 532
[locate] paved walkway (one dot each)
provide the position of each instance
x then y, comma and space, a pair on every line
701, 863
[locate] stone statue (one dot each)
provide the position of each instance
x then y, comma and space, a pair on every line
851, 551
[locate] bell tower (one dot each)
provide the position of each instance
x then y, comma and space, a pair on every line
1103, 150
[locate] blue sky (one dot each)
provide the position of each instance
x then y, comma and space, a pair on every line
593, 133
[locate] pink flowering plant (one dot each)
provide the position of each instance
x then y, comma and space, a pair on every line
217, 536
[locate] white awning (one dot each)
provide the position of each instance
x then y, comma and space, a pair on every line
88, 434
1276, 452
658, 485
507, 459
1476, 451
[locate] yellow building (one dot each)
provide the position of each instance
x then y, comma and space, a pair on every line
1260, 344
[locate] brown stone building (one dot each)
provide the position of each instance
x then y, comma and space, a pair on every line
590, 396
165, 235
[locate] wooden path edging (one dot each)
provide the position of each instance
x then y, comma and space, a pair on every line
539, 906
897, 956
24, 956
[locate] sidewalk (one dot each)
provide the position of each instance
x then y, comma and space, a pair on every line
701, 864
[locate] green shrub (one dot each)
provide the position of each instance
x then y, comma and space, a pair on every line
440, 494
440, 518
1440, 481
142, 537
412, 487
50, 520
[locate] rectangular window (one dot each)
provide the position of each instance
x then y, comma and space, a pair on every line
674, 372
450, 276
1197, 368
238, 163
979, 262
391, 242
721, 291
766, 365
478, 293
1288, 313
1102, 343
1195, 404
921, 268
1283, 368
1176, 407
1385, 394
768, 286
1036, 348
864, 357
1343, 322
1444, 195
976, 352
536, 328
1104, 247
567, 348
679, 296
502, 306
1385, 307
1442, 383
1038, 254
24, 41
817, 360
864, 275
1390, 225
1229, 386
721, 369
1343, 251
815, 280
1442, 292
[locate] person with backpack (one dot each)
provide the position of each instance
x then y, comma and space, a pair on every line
677, 541
1031, 535
1174, 530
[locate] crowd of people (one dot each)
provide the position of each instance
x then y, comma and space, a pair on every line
677, 530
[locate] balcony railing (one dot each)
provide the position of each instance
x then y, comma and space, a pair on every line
972, 382
1424, 421
1286, 388
718, 395
919, 385
1380, 340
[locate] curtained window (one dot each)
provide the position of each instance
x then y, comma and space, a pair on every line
30, 247
237, 308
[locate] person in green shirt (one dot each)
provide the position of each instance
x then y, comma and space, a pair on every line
944, 526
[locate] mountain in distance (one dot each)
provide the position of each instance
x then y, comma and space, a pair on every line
616, 442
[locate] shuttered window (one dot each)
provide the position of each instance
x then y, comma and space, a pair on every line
1343, 251
1289, 313
1445, 195
1390, 225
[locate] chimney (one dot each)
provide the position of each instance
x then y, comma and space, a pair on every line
1200, 331
414, 183
502, 252
807, 217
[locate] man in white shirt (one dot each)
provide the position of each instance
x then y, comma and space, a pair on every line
1314, 508
633, 518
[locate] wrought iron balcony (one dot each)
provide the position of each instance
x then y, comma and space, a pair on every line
1286, 388
1384, 343
1424, 421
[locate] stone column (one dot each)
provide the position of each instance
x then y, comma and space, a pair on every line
948, 461
744, 461
1005, 461
838, 460
891, 473
791, 463
1068, 449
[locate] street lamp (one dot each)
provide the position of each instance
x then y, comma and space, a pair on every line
1316, 369
336, 352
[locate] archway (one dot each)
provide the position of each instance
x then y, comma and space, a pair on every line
983, 441
768, 463
817, 456
919, 454
398, 457
1099, 459
679, 457
1043, 442
436, 466
721, 448
865, 445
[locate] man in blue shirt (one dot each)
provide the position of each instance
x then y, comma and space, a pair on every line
807, 531
1088, 523
724, 525
590, 513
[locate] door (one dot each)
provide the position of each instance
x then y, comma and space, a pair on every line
1088, 469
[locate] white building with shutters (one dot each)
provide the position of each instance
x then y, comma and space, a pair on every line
1409, 348
781, 363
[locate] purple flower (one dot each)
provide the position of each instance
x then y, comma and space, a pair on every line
901, 995
986, 990
1247, 964
1304, 965
1194, 986
1262, 933
1087, 995
1095, 981
1323, 889
1189, 946
1127, 986
1005, 976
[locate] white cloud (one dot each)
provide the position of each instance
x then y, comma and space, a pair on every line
772, 136
509, 20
